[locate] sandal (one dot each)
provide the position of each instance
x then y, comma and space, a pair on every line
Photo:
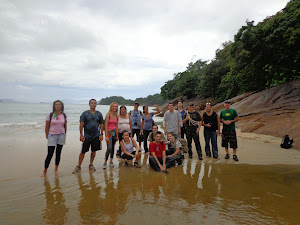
165, 171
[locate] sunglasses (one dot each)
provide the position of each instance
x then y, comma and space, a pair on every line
208, 103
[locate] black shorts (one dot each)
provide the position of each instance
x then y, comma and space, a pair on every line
128, 157
229, 137
95, 144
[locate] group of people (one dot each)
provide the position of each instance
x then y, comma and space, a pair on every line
120, 125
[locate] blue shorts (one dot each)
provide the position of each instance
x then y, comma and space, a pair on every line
56, 139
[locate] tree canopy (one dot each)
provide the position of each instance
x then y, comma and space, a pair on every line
261, 56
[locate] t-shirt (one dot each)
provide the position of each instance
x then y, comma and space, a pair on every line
194, 116
148, 121
91, 123
212, 120
172, 119
135, 117
152, 137
230, 114
57, 125
157, 149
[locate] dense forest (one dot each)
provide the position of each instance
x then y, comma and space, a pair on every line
261, 56
149, 100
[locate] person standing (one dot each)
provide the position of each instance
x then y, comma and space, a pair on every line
211, 123
228, 117
181, 111
111, 136
91, 122
136, 117
146, 126
193, 123
172, 121
124, 123
55, 130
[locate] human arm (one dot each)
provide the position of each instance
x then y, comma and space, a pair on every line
157, 110
164, 159
135, 146
101, 130
165, 127
81, 125
142, 124
219, 124
117, 128
130, 126
199, 124
105, 127
125, 151
47, 126
156, 159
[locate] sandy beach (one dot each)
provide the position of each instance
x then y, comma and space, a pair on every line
208, 191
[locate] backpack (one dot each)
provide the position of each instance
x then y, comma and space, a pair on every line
287, 142
183, 144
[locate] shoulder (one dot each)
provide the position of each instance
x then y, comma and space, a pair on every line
48, 116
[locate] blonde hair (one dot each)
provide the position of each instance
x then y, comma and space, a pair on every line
110, 107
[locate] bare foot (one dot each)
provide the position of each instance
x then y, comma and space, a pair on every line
43, 175
57, 173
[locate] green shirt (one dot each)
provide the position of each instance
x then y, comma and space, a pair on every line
230, 114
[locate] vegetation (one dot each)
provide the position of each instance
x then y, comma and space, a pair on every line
149, 100
261, 56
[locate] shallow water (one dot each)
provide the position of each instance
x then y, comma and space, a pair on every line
196, 192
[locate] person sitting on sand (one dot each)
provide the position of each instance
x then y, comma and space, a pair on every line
151, 136
90, 121
55, 130
124, 123
228, 117
211, 123
174, 152
158, 160
127, 151
111, 136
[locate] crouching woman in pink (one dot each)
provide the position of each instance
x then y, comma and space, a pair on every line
55, 130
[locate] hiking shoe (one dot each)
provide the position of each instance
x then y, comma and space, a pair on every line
165, 171
126, 164
227, 156
190, 156
200, 157
235, 158
77, 169
111, 164
104, 166
137, 165
91, 167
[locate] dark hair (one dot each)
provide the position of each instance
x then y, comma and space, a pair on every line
158, 132
171, 134
179, 101
171, 103
144, 108
154, 125
92, 100
62, 106
123, 106
125, 131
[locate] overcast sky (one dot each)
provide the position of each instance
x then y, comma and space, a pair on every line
82, 49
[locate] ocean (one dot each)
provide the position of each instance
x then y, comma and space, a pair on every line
31, 116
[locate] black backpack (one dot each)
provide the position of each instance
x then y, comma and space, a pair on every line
287, 142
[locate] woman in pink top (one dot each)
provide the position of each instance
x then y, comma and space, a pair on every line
111, 135
55, 130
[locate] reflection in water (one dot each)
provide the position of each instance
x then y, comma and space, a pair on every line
201, 175
55, 212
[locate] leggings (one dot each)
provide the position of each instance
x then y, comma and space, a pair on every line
110, 149
146, 134
50, 155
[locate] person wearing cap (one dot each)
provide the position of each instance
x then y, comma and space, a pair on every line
172, 121
136, 118
193, 122
228, 117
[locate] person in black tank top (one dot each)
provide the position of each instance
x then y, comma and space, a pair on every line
211, 123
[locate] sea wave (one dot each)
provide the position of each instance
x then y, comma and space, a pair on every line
17, 125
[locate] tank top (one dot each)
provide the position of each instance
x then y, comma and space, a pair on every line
112, 124
129, 147
123, 125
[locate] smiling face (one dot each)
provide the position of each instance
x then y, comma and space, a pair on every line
208, 108
123, 111
227, 105
146, 109
158, 137
114, 108
171, 137
125, 135
154, 129
171, 107
179, 105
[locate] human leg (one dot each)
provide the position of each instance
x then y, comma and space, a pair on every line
170, 161
197, 143
145, 135
189, 142
154, 164
214, 144
48, 159
207, 138
57, 158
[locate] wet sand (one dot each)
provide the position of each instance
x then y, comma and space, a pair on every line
262, 188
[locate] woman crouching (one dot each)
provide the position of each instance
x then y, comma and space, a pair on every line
128, 152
